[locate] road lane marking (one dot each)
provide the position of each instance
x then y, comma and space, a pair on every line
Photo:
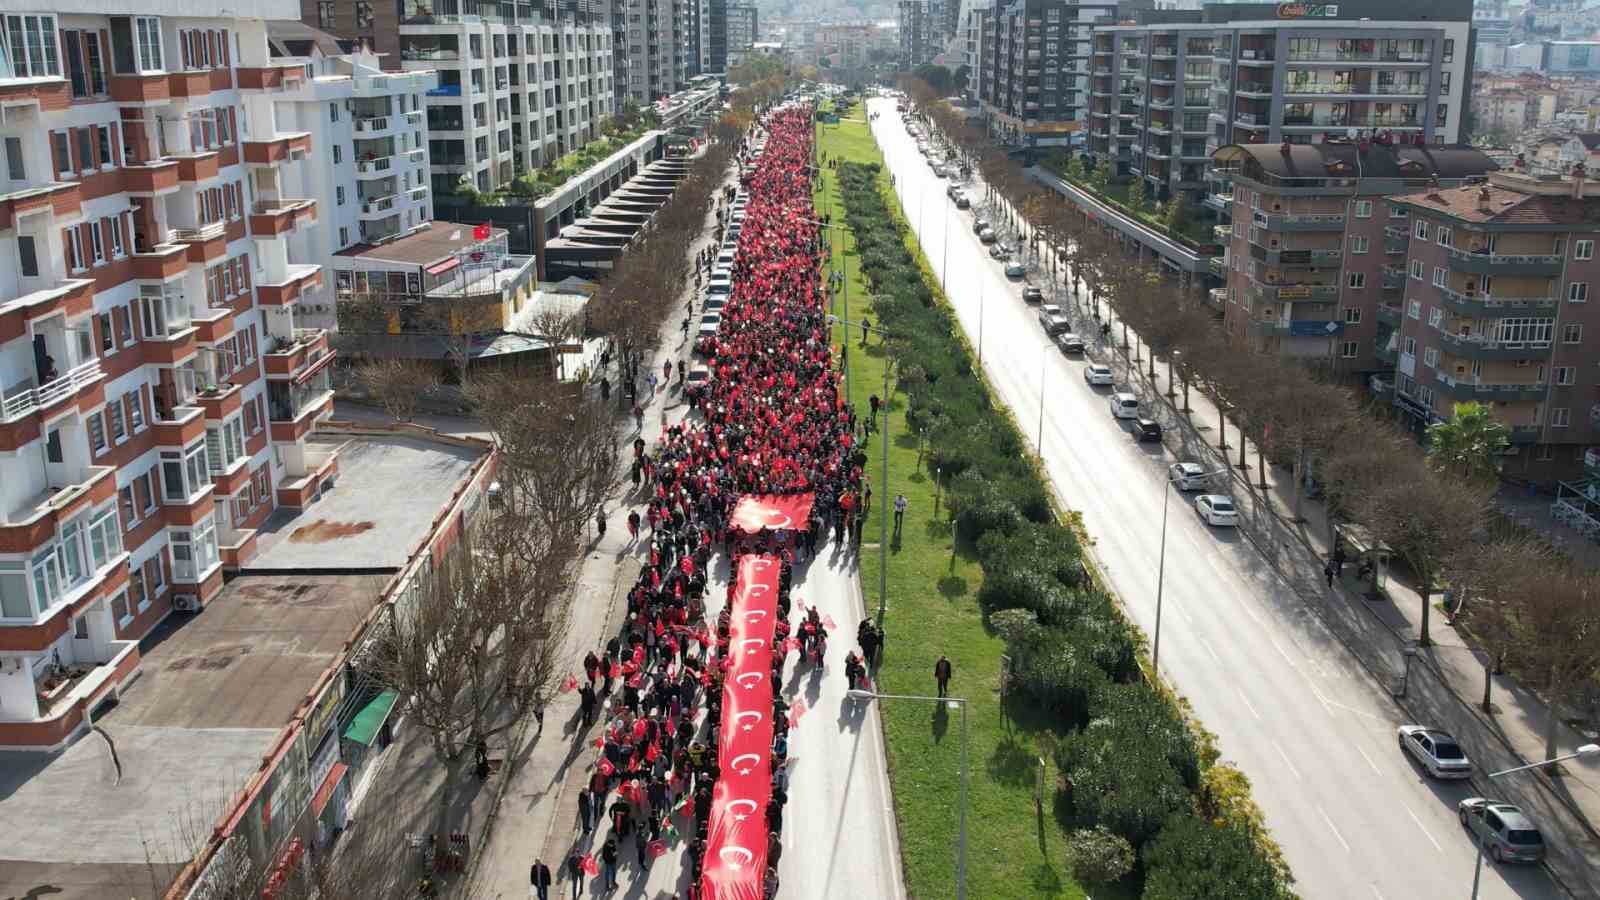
1375, 891
1335, 831
1364, 756
1285, 757
1425, 832
1283, 653
1207, 644
1246, 701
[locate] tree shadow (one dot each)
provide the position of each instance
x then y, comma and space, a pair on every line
1013, 763
953, 586
1045, 879
939, 529
917, 478
906, 440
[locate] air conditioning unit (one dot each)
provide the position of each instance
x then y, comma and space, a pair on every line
189, 603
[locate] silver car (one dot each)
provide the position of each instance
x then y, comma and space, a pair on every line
1188, 476
1436, 751
1506, 834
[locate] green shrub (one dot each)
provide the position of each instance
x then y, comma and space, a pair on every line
1050, 548
1027, 588
981, 507
1114, 780
1097, 856
1057, 678
1135, 713
1193, 859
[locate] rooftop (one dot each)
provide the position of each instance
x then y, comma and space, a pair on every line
433, 243
1496, 204
364, 523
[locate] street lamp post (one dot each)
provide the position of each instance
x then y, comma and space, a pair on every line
961, 838
1161, 568
1477, 867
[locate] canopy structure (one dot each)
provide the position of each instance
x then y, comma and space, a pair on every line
771, 511
364, 727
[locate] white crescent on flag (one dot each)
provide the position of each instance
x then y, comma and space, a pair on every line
755, 679
755, 760
747, 713
747, 804
758, 642
736, 857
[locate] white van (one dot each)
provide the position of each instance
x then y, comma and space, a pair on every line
1124, 406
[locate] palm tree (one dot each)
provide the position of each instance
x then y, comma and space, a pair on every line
1470, 443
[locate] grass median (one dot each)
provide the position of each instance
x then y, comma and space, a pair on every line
1015, 847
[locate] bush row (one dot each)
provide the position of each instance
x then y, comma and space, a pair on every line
1131, 768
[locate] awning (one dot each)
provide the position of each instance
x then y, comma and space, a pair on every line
439, 268
329, 785
364, 727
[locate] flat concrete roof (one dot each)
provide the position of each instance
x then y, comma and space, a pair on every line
435, 243
389, 490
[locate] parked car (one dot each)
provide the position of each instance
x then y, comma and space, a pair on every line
1032, 294
979, 224
1188, 476
1216, 510
1439, 754
952, 192
695, 383
1147, 430
1016, 270
938, 171
988, 236
962, 201
1097, 375
998, 251
1053, 320
1507, 835
1069, 342
1124, 405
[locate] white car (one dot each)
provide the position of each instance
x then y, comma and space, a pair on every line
1124, 405
1217, 510
1436, 751
1188, 476
1096, 374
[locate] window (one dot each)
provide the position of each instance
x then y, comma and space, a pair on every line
1416, 269
1421, 230
1524, 331
1349, 349
337, 155
97, 244
1563, 375
1358, 280
1430, 357
363, 14
119, 609
1572, 334
28, 47
118, 249
338, 195
1411, 346
325, 14
1439, 279
135, 411
1449, 50
1444, 236
138, 598
1352, 315
148, 29
15, 601
1363, 209
74, 247
1560, 417
1583, 249
333, 112
1358, 243
194, 552
1578, 292
184, 473
1414, 309
1441, 115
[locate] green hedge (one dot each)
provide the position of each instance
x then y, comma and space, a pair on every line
1129, 762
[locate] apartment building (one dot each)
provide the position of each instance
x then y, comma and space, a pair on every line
1033, 88
716, 36
1299, 74
517, 89
1314, 261
743, 31
922, 34
973, 28
155, 246
1496, 309
371, 182
657, 48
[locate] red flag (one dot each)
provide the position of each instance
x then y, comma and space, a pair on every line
828, 623
615, 670
570, 685
687, 809
480, 232
590, 867
657, 849
796, 710
606, 768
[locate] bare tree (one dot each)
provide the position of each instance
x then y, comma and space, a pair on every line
1491, 580
397, 385
1556, 633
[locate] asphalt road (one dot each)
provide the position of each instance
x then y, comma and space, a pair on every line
1290, 707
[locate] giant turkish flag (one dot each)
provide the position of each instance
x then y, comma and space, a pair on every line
754, 512
736, 839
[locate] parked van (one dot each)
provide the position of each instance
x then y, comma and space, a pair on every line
1124, 406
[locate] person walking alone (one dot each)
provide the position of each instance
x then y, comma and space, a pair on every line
574, 869
539, 877
900, 505
608, 857
586, 810
941, 674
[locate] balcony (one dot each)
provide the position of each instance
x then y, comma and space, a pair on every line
1467, 388
1477, 346
1473, 303
377, 126
1218, 266
271, 78
1218, 202
149, 179
1504, 264
1286, 257
298, 278
379, 207
1312, 293
1255, 89
1389, 313
293, 410
277, 149
1251, 121
27, 397
1297, 328
1223, 233
275, 217
150, 88
377, 167
1301, 221
1255, 56
295, 360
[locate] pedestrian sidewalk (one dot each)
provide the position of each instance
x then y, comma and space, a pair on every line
538, 818
1445, 681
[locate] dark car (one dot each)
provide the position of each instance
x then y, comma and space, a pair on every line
1032, 294
1148, 429
1069, 343
979, 224
962, 202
